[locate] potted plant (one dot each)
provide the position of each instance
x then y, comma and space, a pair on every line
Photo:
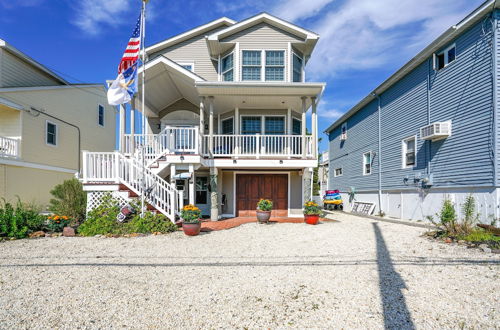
191, 224
312, 212
264, 208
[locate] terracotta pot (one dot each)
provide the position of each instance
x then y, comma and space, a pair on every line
263, 216
191, 229
311, 219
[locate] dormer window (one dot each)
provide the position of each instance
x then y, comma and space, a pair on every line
251, 65
297, 68
227, 68
275, 65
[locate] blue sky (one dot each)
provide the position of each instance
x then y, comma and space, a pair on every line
362, 41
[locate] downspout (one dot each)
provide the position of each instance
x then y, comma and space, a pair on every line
495, 106
430, 68
379, 108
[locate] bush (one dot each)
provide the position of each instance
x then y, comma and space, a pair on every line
448, 222
102, 221
21, 220
70, 200
56, 223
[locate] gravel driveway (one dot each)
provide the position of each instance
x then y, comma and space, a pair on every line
355, 273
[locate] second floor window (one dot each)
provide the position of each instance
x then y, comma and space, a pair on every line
251, 125
251, 65
275, 65
100, 115
367, 163
275, 125
296, 126
297, 68
227, 126
227, 68
51, 133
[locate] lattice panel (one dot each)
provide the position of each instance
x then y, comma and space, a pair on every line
94, 199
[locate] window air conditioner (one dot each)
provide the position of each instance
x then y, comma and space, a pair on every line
436, 131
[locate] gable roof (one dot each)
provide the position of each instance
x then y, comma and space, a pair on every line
433, 47
310, 38
223, 21
26, 58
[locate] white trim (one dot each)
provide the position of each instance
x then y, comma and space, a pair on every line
371, 162
263, 65
103, 115
173, 65
10, 104
187, 63
260, 172
302, 69
47, 122
290, 63
404, 150
190, 34
37, 166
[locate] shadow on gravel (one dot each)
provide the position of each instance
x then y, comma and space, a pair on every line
391, 284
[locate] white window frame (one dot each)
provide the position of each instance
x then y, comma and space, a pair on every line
263, 64
187, 63
371, 163
262, 122
103, 115
446, 59
222, 124
335, 175
47, 122
232, 68
302, 75
343, 136
404, 147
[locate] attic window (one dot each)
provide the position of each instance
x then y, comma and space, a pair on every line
444, 58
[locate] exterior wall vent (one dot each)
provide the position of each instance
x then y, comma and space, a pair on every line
436, 131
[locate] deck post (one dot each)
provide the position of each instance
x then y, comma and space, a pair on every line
314, 125
191, 184
172, 173
214, 203
289, 140
236, 132
211, 125
303, 127
122, 128
132, 130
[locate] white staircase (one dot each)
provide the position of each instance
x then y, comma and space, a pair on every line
115, 167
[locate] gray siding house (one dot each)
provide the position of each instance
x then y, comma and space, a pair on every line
430, 131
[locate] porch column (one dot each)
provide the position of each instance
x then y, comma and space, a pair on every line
236, 131
172, 173
191, 185
132, 130
314, 123
307, 184
214, 202
303, 127
219, 127
202, 115
122, 128
211, 124
289, 132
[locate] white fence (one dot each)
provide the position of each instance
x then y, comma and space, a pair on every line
9, 147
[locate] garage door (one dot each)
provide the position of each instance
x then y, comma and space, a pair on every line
252, 187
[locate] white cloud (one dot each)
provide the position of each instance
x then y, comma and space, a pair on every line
299, 9
330, 113
92, 15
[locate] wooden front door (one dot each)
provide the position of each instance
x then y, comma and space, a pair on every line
252, 187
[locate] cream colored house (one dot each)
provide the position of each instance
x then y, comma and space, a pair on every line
226, 106
45, 123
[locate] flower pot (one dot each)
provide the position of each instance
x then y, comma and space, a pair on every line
191, 229
263, 216
311, 219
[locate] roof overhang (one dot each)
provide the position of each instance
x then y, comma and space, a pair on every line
216, 46
224, 21
26, 58
10, 104
434, 46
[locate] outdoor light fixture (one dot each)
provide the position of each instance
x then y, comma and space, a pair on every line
234, 161
182, 157
281, 161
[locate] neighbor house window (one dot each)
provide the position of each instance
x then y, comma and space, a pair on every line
343, 131
338, 172
297, 68
227, 68
275, 65
251, 125
251, 65
444, 58
367, 163
274, 125
51, 133
228, 126
100, 115
409, 152
296, 126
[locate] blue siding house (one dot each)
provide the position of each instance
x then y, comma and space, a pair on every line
430, 131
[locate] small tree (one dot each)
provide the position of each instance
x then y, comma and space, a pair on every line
69, 200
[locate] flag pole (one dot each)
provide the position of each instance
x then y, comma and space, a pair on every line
143, 37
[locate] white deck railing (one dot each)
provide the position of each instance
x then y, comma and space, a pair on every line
114, 167
258, 145
9, 147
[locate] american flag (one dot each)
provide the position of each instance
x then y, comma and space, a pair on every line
131, 54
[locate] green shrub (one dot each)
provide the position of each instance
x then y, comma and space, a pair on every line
265, 205
480, 235
102, 221
311, 208
21, 220
69, 200
56, 223
448, 222
190, 214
